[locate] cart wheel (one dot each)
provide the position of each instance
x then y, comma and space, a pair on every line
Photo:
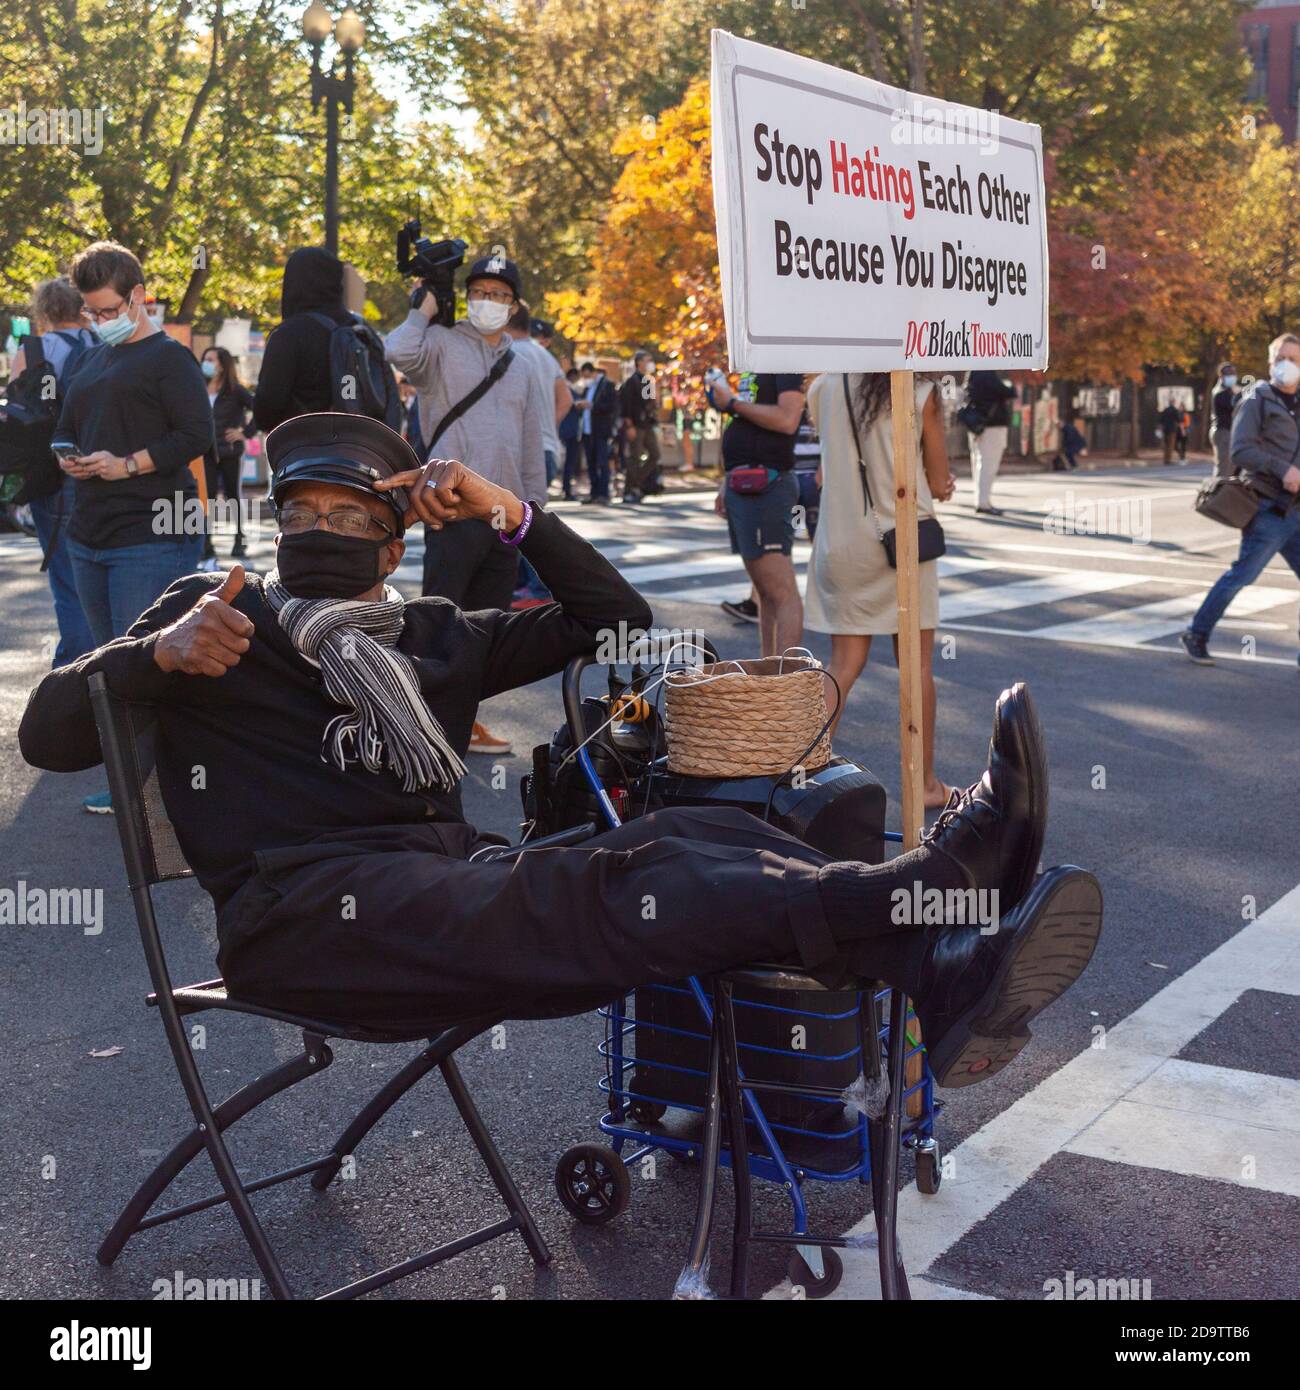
593, 1183
800, 1274
929, 1174
646, 1112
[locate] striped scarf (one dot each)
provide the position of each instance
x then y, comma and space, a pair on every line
387, 722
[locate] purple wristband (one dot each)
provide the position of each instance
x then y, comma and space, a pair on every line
523, 527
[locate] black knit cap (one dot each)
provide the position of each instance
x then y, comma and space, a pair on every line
346, 450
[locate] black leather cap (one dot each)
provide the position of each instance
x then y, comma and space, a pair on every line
347, 450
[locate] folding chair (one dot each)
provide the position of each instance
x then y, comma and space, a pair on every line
152, 856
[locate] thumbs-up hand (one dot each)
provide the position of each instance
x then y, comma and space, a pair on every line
211, 637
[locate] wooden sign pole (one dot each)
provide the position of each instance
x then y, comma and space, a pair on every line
902, 392
903, 407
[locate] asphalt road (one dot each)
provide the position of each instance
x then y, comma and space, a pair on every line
1175, 784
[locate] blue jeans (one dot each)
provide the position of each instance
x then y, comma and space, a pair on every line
549, 456
74, 631
116, 586
1268, 535
597, 447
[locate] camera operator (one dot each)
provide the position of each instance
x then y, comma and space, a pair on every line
482, 404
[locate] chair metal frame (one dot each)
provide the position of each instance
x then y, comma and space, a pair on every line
131, 771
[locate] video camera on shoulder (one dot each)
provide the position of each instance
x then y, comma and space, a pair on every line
436, 263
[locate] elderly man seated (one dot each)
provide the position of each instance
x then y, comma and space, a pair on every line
310, 730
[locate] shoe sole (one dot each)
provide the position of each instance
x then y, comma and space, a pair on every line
1063, 923
1206, 660
1020, 732
739, 617
97, 810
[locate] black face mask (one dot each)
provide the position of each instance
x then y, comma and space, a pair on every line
321, 564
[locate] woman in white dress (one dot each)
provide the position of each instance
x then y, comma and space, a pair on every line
851, 585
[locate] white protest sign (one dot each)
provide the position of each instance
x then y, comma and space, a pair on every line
862, 228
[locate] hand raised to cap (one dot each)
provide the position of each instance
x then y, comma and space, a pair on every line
211, 637
445, 490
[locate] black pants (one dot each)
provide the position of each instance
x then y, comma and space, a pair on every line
572, 464
643, 460
225, 471
468, 563
395, 925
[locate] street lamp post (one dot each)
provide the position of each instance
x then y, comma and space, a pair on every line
349, 34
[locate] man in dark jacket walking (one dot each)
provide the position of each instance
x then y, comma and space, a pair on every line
639, 404
599, 404
1266, 445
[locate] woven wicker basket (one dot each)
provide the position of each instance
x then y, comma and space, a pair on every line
746, 718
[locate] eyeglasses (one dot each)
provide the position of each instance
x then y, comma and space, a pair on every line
100, 315
348, 521
496, 296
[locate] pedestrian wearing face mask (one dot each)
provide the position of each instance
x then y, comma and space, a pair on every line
1223, 403
137, 413
480, 403
1266, 448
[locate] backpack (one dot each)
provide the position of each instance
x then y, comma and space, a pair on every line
361, 381
29, 412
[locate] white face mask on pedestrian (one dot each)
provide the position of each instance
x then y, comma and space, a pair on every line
488, 316
1285, 373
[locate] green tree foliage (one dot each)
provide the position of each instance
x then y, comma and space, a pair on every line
212, 165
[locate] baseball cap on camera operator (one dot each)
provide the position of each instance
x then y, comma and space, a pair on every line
492, 290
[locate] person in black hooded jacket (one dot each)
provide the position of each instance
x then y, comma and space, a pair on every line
295, 376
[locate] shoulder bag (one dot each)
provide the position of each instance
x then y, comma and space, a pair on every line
930, 539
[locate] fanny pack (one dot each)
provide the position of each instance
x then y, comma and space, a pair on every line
749, 481
930, 540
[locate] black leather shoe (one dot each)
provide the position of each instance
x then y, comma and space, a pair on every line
977, 993
994, 830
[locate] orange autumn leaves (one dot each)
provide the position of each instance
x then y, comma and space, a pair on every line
654, 275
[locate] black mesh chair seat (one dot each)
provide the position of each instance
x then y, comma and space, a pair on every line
212, 994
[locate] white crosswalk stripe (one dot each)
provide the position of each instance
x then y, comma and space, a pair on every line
1149, 621
1028, 593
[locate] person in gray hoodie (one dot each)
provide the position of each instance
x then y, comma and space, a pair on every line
500, 436
1266, 447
